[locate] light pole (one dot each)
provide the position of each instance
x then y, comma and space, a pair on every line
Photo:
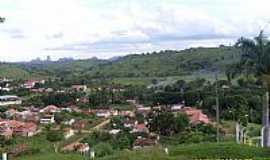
246, 115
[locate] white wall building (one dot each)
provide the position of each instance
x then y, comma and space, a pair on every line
9, 100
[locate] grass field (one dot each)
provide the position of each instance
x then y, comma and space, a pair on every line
166, 80
195, 151
179, 152
46, 150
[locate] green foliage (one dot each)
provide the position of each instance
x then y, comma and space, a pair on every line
97, 137
103, 149
145, 154
168, 63
166, 123
161, 64
120, 141
117, 122
13, 71
165, 98
181, 123
54, 136
59, 99
6, 142
220, 151
194, 151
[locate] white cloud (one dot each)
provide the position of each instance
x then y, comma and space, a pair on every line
104, 28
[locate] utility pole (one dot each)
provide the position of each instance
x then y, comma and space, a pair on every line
217, 107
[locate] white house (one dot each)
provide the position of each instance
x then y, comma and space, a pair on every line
50, 109
47, 119
103, 113
9, 100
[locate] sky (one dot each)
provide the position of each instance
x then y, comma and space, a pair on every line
108, 28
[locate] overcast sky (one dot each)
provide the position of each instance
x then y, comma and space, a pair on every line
106, 28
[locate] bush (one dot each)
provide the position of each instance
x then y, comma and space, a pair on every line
54, 136
103, 149
97, 137
31, 151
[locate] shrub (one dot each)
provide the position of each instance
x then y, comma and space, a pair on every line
103, 149
54, 136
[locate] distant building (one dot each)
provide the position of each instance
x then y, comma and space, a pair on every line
103, 113
79, 125
13, 127
82, 148
196, 116
79, 88
47, 119
140, 128
9, 100
50, 109
144, 142
144, 110
31, 83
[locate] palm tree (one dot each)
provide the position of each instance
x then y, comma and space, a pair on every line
256, 58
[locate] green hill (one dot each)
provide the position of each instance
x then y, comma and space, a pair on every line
13, 71
169, 63
157, 64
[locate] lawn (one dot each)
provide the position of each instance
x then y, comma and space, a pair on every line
163, 81
46, 150
51, 156
179, 152
195, 151
219, 151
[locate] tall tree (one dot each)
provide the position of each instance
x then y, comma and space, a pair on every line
256, 58
2, 19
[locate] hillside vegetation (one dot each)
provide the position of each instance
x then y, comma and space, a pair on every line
195, 151
156, 64
13, 71
169, 63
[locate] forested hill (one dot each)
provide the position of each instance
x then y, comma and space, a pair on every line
169, 63
157, 64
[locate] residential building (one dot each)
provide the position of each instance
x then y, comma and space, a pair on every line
50, 109
10, 100
47, 119
196, 116
79, 88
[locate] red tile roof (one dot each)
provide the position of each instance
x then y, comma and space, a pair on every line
196, 115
